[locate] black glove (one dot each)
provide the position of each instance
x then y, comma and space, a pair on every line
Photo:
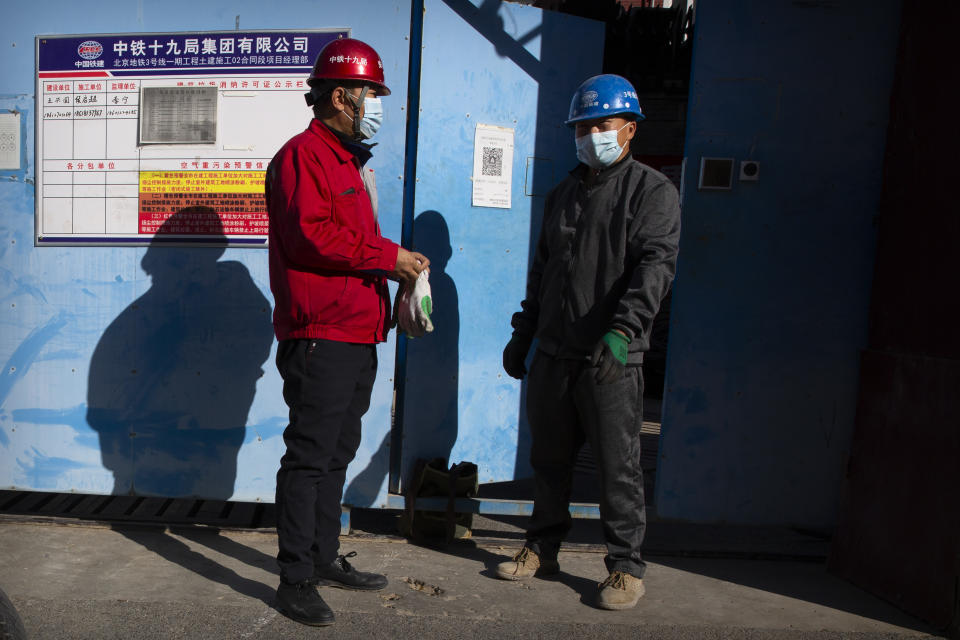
514, 356
610, 357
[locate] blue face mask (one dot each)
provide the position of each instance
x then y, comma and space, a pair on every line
599, 150
372, 117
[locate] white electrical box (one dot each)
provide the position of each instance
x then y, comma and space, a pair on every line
749, 171
10, 140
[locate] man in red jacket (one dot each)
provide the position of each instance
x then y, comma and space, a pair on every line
328, 272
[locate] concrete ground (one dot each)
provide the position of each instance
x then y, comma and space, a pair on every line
89, 580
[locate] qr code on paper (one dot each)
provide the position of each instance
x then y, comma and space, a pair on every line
492, 161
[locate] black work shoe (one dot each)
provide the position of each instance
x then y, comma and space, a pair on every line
341, 574
302, 603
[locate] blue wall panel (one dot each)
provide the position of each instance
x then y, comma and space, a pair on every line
511, 66
769, 311
77, 322
771, 298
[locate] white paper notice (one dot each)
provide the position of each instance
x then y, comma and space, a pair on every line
492, 166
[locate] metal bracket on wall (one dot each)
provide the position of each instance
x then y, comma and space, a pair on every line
582, 510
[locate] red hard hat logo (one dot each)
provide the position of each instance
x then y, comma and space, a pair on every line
349, 59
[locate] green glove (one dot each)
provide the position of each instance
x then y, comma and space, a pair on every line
618, 345
610, 357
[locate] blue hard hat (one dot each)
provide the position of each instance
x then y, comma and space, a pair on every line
603, 96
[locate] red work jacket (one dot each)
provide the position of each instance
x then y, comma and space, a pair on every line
327, 257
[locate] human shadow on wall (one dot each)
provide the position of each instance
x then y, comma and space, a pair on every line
172, 378
553, 144
430, 406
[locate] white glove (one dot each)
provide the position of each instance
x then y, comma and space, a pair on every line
415, 307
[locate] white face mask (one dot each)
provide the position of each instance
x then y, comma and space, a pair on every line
599, 150
372, 117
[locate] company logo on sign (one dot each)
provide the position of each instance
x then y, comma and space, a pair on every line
90, 50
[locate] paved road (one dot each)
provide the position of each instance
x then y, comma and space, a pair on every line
71, 581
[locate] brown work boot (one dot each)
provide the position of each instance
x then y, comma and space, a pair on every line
619, 591
527, 563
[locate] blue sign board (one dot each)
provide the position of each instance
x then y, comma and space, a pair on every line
228, 52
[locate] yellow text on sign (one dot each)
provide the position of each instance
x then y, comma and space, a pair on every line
201, 181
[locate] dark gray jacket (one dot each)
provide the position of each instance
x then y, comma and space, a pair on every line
605, 259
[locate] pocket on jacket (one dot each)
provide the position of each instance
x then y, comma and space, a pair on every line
345, 207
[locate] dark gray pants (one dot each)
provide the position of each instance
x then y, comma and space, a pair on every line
566, 406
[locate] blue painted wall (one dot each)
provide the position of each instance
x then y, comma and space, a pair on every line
770, 304
511, 66
172, 346
150, 370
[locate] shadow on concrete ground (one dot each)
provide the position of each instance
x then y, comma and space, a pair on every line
176, 552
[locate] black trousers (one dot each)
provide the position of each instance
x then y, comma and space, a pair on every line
327, 386
565, 407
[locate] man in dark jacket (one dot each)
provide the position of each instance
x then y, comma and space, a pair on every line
328, 270
605, 259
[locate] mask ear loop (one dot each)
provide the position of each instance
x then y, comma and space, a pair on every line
357, 106
627, 141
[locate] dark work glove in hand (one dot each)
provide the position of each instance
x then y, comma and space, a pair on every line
610, 357
514, 356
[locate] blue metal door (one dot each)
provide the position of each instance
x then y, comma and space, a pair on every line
509, 66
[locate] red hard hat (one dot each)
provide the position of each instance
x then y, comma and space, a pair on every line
349, 59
